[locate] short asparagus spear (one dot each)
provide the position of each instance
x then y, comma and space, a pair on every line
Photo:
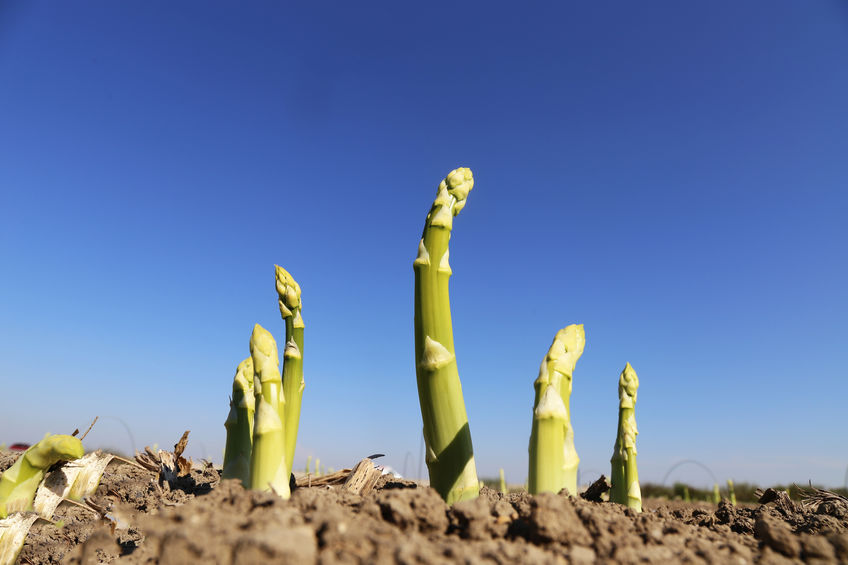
239, 425
450, 456
502, 481
731, 493
553, 458
624, 477
19, 482
288, 292
268, 459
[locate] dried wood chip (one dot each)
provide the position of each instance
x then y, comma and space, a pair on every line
337, 478
363, 477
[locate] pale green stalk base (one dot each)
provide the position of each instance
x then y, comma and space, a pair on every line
570, 459
239, 425
268, 462
502, 480
731, 492
19, 482
624, 475
547, 456
450, 456
716, 494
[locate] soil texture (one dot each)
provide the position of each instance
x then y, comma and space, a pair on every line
138, 517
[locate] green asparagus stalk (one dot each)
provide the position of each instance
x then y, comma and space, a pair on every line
502, 481
19, 482
686, 497
553, 458
288, 292
731, 492
716, 494
624, 476
450, 456
239, 425
268, 459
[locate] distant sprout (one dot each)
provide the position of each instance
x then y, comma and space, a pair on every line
716, 494
308, 464
624, 477
686, 497
502, 481
317, 467
730, 492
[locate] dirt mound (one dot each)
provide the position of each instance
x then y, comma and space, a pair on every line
202, 519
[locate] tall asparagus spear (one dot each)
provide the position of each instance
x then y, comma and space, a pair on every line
288, 292
624, 477
20, 481
268, 459
450, 457
239, 425
553, 458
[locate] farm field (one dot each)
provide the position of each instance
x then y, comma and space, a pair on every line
201, 518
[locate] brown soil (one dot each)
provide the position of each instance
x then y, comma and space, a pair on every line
203, 519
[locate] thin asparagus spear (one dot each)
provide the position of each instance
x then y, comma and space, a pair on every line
450, 456
624, 477
288, 292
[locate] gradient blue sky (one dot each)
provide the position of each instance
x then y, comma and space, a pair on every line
674, 176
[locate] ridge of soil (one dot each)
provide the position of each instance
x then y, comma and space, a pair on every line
203, 518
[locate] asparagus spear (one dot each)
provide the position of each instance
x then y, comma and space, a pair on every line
239, 425
624, 477
19, 482
450, 456
553, 458
288, 292
268, 460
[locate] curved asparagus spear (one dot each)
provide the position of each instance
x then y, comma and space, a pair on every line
450, 457
553, 458
19, 482
288, 292
268, 459
239, 425
624, 476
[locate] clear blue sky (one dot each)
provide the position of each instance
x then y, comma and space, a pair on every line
674, 176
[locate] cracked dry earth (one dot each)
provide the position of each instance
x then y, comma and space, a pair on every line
203, 519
